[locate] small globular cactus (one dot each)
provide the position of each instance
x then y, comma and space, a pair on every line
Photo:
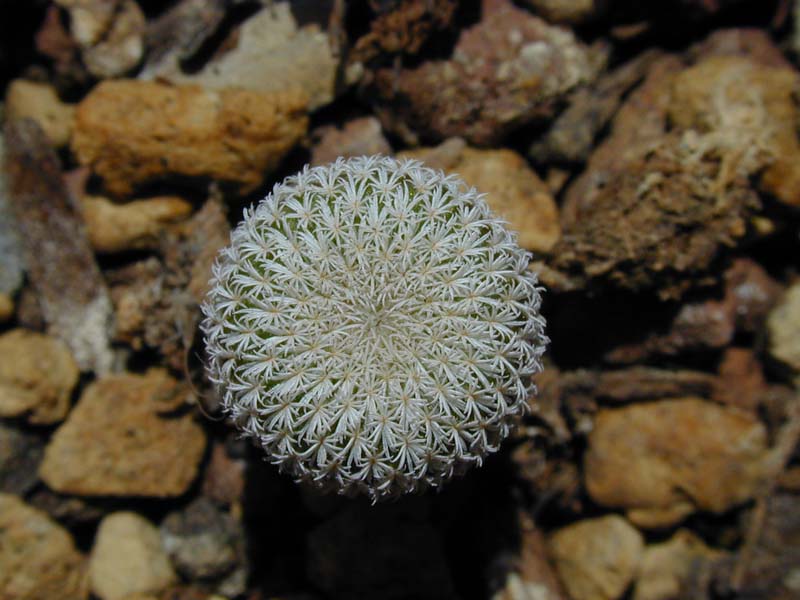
373, 326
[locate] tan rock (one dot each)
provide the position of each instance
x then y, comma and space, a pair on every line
38, 559
566, 11
597, 559
40, 102
783, 325
666, 567
744, 124
127, 558
358, 137
37, 376
661, 460
6, 307
134, 225
513, 190
131, 132
117, 440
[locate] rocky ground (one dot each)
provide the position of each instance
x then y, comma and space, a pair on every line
647, 154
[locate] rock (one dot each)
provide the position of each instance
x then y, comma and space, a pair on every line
662, 460
20, 454
54, 42
783, 326
509, 69
6, 308
513, 191
740, 380
38, 559
40, 102
202, 541
133, 132
127, 558
358, 137
567, 11
120, 441
109, 33
224, 476
647, 383
11, 267
272, 53
597, 559
135, 225
37, 376
667, 567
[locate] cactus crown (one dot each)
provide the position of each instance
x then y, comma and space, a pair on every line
373, 326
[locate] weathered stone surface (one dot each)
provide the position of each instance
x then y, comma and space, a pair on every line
127, 558
38, 559
20, 453
37, 376
597, 559
132, 132
272, 53
667, 567
135, 225
784, 329
358, 137
662, 460
119, 441
60, 264
40, 102
513, 191
509, 69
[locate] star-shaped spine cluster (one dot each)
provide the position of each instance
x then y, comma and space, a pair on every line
373, 326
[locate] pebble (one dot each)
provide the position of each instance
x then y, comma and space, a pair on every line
127, 558
37, 376
783, 325
40, 102
38, 559
357, 137
597, 559
120, 441
663, 460
572, 12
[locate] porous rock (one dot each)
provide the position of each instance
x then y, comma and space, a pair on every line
662, 460
38, 559
40, 102
597, 559
133, 132
507, 70
127, 558
134, 225
513, 191
783, 325
37, 376
120, 440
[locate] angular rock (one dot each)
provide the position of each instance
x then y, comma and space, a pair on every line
662, 460
667, 568
508, 70
272, 53
134, 132
783, 326
513, 191
38, 559
358, 137
134, 225
120, 440
40, 102
127, 558
20, 454
597, 559
37, 376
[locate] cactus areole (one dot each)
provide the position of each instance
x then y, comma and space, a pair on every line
373, 326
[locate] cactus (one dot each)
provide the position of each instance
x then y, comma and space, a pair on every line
373, 327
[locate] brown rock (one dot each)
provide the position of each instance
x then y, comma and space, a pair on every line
648, 383
6, 307
117, 440
567, 11
513, 191
135, 225
132, 132
39, 101
224, 477
668, 567
783, 326
509, 69
597, 559
127, 558
740, 380
38, 559
37, 376
358, 137
662, 460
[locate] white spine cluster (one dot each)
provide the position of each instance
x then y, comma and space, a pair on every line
373, 326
